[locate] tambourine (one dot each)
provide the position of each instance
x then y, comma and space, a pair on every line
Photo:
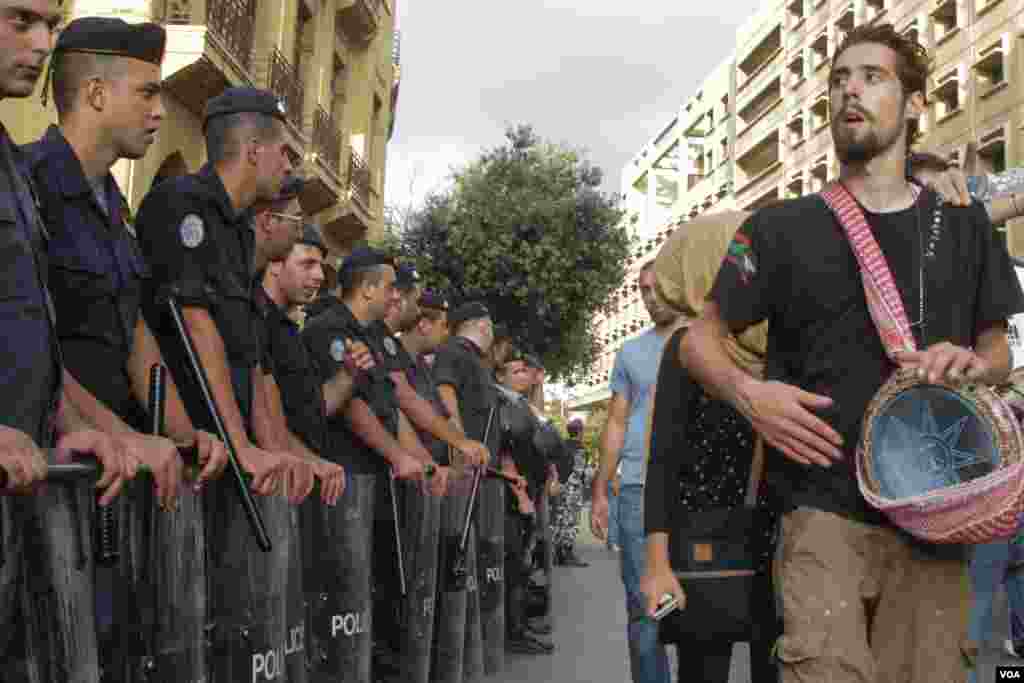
944, 461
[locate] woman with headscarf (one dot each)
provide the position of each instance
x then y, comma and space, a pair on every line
701, 449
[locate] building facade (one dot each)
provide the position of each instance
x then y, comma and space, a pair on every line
334, 64
756, 131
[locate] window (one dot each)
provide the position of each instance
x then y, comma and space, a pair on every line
819, 51
819, 174
991, 69
946, 95
795, 187
992, 150
819, 112
795, 10
796, 69
944, 20
795, 128
724, 155
844, 24
874, 9
911, 32
338, 84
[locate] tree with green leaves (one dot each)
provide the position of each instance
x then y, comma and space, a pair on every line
526, 229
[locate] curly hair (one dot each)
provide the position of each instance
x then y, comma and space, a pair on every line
912, 62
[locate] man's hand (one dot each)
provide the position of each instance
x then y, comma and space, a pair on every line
332, 480
21, 459
161, 458
213, 458
945, 361
656, 582
265, 467
117, 467
437, 485
599, 509
782, 414
407, 468
299, 478
950, 184
473, 452
358, 357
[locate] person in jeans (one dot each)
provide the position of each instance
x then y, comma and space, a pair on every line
624, 441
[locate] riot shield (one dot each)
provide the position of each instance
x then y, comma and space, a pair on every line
473, 662
491, 572
160, 599
246, 586
57, 595
450, 623
12, 632
338, 584
421, 525
296, 607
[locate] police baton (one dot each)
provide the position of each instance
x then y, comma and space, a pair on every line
244, 494
398, 530
459, 571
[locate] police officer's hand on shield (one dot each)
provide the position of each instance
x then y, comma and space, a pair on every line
474, 452
21, 459
265, 467
117, 467
161, 458
437, 484
407, 467
332, 480
299, 478
213, 458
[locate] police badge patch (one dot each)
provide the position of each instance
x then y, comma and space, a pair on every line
191, 231
338, 350
389, 346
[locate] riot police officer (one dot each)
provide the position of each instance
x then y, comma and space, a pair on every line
368, 435
467, 390
102, 68
35, 410
197, 235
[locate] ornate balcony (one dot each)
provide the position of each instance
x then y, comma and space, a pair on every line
323, 170
358, 20
359, 181
283, 80
209, 48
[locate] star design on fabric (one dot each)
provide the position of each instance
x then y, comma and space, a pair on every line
936, 445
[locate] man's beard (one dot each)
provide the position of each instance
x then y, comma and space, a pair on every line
871, 145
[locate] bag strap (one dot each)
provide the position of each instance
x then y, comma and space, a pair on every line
756, 470
883, 297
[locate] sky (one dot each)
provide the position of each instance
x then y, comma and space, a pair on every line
601, 75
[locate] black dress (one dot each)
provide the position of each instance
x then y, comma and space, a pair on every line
701, 451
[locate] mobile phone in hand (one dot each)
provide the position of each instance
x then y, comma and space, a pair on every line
666, 605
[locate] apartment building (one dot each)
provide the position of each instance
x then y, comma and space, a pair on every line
757, 128
334, 64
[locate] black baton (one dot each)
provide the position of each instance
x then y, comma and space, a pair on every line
244, 494
398, 531
477, 476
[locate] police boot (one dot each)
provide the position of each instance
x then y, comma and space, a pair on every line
520, 640
571, 559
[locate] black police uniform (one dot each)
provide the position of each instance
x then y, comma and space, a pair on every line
340, 628
201, 249
459, 363
287, 358
30, 389
96, 275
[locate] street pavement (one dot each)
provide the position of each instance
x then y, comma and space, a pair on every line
590, 630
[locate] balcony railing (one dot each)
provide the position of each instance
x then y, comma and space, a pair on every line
284, 81
359, 180
327, 139
232, 21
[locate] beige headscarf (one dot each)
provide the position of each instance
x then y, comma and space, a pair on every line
685, 270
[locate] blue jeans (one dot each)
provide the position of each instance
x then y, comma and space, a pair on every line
990, 563
613, 517
648, 661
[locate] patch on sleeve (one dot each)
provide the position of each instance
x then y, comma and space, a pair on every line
192, 231
741, 256
338, 350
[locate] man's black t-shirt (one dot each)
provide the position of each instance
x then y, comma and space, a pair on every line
791, 264
459, 363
